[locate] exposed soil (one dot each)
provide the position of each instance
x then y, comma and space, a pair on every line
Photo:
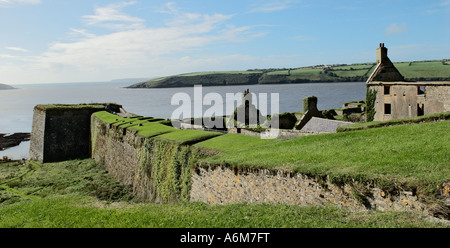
8, 141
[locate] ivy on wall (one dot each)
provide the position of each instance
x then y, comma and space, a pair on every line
371, 96
167, 167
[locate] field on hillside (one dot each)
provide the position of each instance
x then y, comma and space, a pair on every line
436, 70
421, 70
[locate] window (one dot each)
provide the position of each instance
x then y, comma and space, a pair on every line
387, 109
420, 90
420, 109
387, 90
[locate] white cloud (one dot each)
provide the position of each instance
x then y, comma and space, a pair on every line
274, 6
176, 47
127, 47
169, 8
12, 3
111, 16
17, 49
395, 28
82, 32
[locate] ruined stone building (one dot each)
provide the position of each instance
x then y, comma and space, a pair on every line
397, 98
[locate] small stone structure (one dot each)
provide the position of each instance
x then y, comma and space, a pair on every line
397, 98
62, 131
324, 125
311, 120
246, 113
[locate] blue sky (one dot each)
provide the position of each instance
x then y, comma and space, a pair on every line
51, 41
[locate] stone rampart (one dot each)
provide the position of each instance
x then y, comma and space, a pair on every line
164, 171
224, 186
62, 131
158, 170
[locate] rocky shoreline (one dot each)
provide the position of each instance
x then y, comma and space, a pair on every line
8, 141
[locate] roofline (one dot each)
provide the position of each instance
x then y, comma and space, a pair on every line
433, 83
369, 80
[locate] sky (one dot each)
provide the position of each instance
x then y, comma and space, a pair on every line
56, 41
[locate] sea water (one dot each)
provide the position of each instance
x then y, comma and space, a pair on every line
16, 106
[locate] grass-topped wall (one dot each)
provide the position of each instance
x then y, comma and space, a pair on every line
61, 131
401, 154
165, 170
156, 159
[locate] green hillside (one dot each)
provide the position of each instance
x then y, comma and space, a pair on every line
436, 70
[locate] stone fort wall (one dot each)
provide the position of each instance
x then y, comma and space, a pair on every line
62, 131
148, 165
225, 186
123, 152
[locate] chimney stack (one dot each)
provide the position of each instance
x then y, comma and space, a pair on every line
381, 53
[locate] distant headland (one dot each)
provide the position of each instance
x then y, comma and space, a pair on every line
428, 70
6, 87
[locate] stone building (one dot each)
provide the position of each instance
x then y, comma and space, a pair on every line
62, 131
397, 98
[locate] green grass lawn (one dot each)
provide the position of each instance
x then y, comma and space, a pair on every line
109, 118
415, 154
80, 194
234, 142
151, 129
72, 211
375, 124
146, 127
188, 136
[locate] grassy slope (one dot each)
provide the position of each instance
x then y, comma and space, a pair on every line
235, 143
188, 136
375, 124
80, 194
417, 70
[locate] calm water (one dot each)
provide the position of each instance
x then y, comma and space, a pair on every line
16, 106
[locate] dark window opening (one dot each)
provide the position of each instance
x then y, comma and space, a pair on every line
387, 109
420, 109
387, 90
420, 90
